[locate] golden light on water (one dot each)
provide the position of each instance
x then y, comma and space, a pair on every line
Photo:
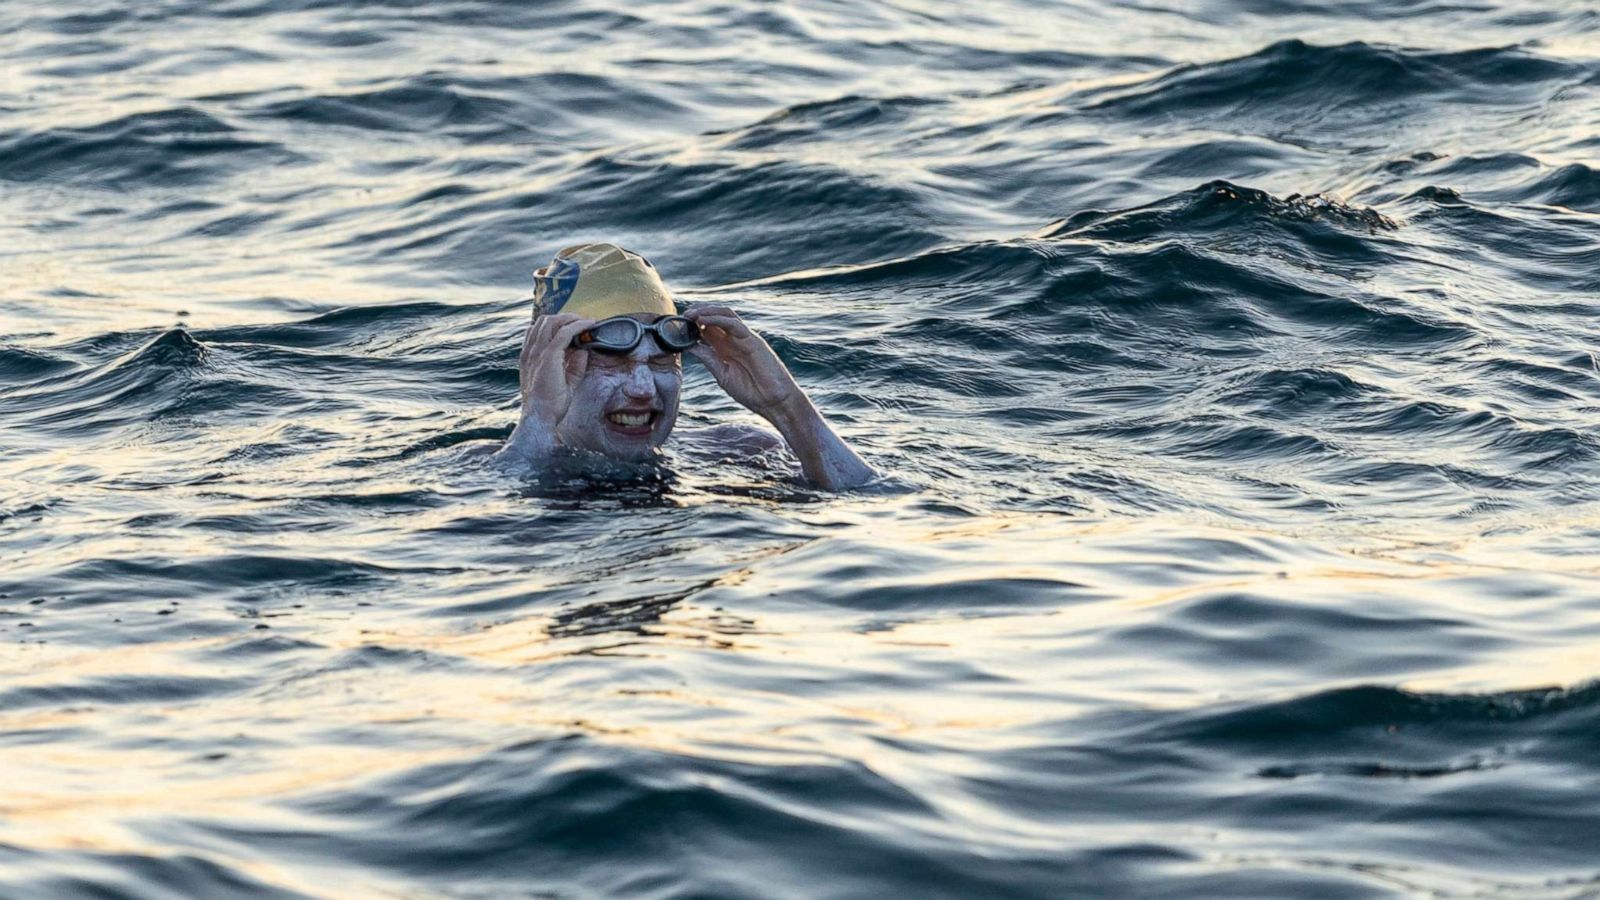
507, 677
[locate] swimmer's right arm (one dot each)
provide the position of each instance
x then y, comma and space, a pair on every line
547, 371
747, 368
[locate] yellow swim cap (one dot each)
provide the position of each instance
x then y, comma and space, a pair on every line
598, 281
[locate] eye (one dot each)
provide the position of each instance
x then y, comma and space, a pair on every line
665, 363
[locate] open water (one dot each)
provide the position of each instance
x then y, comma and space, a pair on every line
1237, 363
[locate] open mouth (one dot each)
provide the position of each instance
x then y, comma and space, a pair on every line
632, 421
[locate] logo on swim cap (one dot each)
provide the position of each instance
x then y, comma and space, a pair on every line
598, 281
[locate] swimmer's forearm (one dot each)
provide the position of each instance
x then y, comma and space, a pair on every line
827, 461
530, 440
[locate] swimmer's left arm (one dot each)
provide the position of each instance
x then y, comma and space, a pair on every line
745, 366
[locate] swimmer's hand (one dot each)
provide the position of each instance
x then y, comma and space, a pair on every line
745, 366
742, 362
549, 369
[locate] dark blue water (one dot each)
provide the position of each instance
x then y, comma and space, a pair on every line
1236, 360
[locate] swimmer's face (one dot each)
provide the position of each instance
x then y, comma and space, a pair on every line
625, 404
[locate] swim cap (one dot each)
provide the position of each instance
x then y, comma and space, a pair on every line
598, 281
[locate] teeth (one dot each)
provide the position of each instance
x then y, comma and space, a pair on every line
632, 420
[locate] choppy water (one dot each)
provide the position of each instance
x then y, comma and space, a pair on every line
1238, 359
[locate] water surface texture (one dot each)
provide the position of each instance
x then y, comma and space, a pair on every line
1236, 361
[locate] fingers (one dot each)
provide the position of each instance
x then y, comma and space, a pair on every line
549, 367
707, 356
528, 343
725, 334
549, 325
538, 332
546, 346
713, 308
574, 362
551, 332
719, 317
564, 332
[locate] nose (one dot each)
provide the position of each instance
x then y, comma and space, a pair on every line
639, 384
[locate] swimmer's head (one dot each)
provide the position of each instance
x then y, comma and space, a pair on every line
625, 404
598, 281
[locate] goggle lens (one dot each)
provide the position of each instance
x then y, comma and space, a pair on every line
677, 333
615, 334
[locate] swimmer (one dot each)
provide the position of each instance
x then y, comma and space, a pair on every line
601, 371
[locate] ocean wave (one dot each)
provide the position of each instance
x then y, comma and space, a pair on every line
1220, 206
114, 392
834, 214
179, 147
145, 578
1204, 268
861, 116
555, 811
1295, 82
520, 109
1575, 186
25, 364
119, 690
81, 873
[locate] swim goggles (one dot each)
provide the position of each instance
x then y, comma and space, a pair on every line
620, 334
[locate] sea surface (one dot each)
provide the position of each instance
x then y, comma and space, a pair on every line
1234, 366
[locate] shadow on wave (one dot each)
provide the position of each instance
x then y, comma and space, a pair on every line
1295, 82
1217, 270
1382, 732
126, 874
180, 147
628, 821
711, 220
438, 354
478, 110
